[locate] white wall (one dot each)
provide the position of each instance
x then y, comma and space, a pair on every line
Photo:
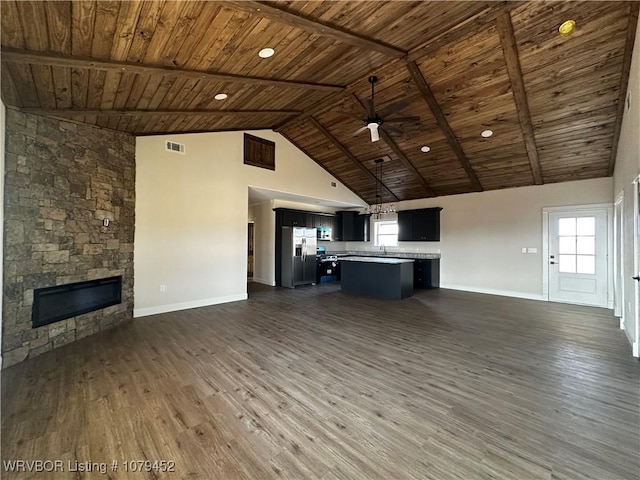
626, 171
192, 210
264, 242
482, 235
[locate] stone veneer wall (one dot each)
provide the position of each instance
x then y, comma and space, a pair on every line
61, 180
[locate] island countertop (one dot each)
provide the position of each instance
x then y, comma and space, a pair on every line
385, 260
388, 254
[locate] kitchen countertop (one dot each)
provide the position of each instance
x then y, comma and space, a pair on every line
381, 254
370, 259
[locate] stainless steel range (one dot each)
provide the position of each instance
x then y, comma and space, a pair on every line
328, 267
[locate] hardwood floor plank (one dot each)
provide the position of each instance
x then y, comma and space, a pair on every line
316, 383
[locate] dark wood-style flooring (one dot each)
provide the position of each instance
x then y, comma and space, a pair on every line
318, 384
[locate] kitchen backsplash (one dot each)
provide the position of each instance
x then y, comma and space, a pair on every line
408, 247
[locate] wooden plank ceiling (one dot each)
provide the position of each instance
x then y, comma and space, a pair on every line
555, 103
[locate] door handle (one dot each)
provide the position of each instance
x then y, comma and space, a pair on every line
637, 279
552, 263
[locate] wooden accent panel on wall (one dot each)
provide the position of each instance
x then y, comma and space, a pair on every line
259, 152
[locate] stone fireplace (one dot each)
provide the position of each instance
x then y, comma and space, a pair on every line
69, 218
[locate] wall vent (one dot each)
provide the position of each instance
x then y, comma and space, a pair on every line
175, 147
333, 184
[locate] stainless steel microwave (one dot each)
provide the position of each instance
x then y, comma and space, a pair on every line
324, 233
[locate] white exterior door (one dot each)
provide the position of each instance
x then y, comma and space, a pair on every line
578, 248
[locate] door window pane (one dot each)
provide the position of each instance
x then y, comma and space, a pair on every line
567, 226
586, 264
567, 245
567, 264
586, 245
586, 226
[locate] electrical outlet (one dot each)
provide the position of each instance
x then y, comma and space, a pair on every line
532, 250
163, 288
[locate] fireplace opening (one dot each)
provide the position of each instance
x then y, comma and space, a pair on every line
52, 304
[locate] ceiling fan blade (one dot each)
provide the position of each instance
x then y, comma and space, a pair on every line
391, 128
395, 107
359, 131
350, 116
401, 119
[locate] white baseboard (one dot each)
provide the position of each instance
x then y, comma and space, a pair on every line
264, 282
173, 307
628, 334
636, 349
622, 326
491, 291
610, 305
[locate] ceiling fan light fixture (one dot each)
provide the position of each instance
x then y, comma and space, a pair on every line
373, 128
220, 96
266, 52
567, 28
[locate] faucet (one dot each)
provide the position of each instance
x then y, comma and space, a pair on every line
384, 249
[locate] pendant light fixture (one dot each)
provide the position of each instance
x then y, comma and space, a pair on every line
378, 208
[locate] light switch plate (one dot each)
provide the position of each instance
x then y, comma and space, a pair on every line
524, 249
532, 250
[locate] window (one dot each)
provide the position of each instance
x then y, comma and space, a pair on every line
577, 245
386, 233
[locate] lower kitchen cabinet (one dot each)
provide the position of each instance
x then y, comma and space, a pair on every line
426, 273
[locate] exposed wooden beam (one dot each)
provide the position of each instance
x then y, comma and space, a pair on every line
200, 130
333, 174
465, 28
58, 60
512, 59
393, 146
310, 24
634, 9
322, 129
318, 107
469, 26
72, 112
430, 99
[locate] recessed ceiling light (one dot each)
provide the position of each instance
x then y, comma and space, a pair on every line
487, 133
567, 28
425, 149
266, 52
221, 96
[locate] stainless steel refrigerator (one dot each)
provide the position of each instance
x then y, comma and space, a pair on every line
298, 256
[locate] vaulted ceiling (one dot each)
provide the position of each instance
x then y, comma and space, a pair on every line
555, 103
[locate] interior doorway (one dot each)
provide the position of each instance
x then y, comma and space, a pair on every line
618, 256
250, 249
577, 263
636, 267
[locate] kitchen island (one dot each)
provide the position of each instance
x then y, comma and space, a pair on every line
378, 277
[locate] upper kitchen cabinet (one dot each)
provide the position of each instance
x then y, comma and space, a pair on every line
292, 218
353, 227
421, 225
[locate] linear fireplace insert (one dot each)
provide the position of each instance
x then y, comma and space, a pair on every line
52, 304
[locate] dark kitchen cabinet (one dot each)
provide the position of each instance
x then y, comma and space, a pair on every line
293, 218
426, 273
336, 228
421, 225
352, 227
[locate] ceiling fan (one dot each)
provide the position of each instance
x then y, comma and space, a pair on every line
376, 120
